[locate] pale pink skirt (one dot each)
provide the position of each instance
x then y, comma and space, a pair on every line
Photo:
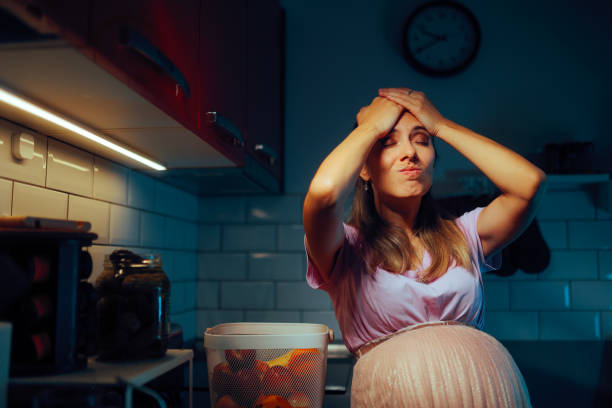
439, 364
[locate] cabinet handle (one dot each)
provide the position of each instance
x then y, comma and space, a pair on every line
267, 152
228, 129
143, 46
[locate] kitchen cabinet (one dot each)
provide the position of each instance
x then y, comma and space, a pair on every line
223, 73
210, 71
152, 47
68, 18
264, 88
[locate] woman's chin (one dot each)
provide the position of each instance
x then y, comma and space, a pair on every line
408, 193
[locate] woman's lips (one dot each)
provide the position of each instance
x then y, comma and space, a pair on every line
411, 172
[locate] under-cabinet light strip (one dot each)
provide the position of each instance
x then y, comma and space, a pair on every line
22, 104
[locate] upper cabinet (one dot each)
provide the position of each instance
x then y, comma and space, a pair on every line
215, 67
68, 18
223, 74
152, 47
265, 45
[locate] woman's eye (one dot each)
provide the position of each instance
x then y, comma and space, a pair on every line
387, 141
422, 140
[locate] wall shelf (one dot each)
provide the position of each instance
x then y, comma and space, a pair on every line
575, 181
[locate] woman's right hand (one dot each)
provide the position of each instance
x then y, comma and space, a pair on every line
382, 114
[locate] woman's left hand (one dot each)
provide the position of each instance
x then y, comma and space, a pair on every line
416, 103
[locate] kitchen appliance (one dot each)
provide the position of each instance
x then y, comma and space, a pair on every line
267, 364
43, 272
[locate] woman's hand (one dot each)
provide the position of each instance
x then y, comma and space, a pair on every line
416, 103
382, 114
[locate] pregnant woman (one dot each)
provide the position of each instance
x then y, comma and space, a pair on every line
405, 279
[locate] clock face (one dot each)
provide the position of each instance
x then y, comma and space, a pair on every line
441, 38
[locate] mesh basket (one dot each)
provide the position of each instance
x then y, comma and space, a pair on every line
267, 365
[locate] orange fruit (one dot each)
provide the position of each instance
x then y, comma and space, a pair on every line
272, 401
306, 367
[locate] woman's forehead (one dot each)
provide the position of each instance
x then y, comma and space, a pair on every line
407, 122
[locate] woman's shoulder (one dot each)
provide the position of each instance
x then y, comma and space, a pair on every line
468, 219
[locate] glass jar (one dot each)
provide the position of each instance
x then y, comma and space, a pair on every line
133, 307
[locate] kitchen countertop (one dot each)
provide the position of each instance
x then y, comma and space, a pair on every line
338, 351
134, 372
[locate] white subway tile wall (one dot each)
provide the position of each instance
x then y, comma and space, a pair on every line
512, 325
39, 202
570, 325
69, 169
124, 225
110, 181
247, 295
127, 209
96, 212
209, 238
252, 268
141, 191
605, 265
152, 228
6, 197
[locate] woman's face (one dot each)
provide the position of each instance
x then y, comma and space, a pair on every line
400, 165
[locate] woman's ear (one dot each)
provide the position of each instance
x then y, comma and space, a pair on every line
364, 174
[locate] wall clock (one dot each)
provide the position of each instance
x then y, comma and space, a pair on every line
441, 38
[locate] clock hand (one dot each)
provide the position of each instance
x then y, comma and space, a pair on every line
440, 37
418, 50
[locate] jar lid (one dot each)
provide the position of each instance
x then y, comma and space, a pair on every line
121, 259
132, 258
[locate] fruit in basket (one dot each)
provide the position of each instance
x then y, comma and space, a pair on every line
306, 367
260, 368
226, 402
278, 381
281, 360
272, 401
238, 359
222, 379
299, 400
299, 355
285, 358
247, 386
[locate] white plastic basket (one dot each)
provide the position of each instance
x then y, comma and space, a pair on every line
260, 365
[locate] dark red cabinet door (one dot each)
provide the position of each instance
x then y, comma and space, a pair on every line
223, 75
265, 62
151, 45
68, 18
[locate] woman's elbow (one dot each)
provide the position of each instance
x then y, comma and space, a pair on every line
322, 194
538, 184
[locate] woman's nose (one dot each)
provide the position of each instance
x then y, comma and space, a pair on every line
408, 151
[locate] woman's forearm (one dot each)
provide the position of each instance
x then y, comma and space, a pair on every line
510, 172
338, 173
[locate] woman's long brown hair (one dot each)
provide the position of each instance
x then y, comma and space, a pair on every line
390, 247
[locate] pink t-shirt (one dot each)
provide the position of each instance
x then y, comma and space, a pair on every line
370, 306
